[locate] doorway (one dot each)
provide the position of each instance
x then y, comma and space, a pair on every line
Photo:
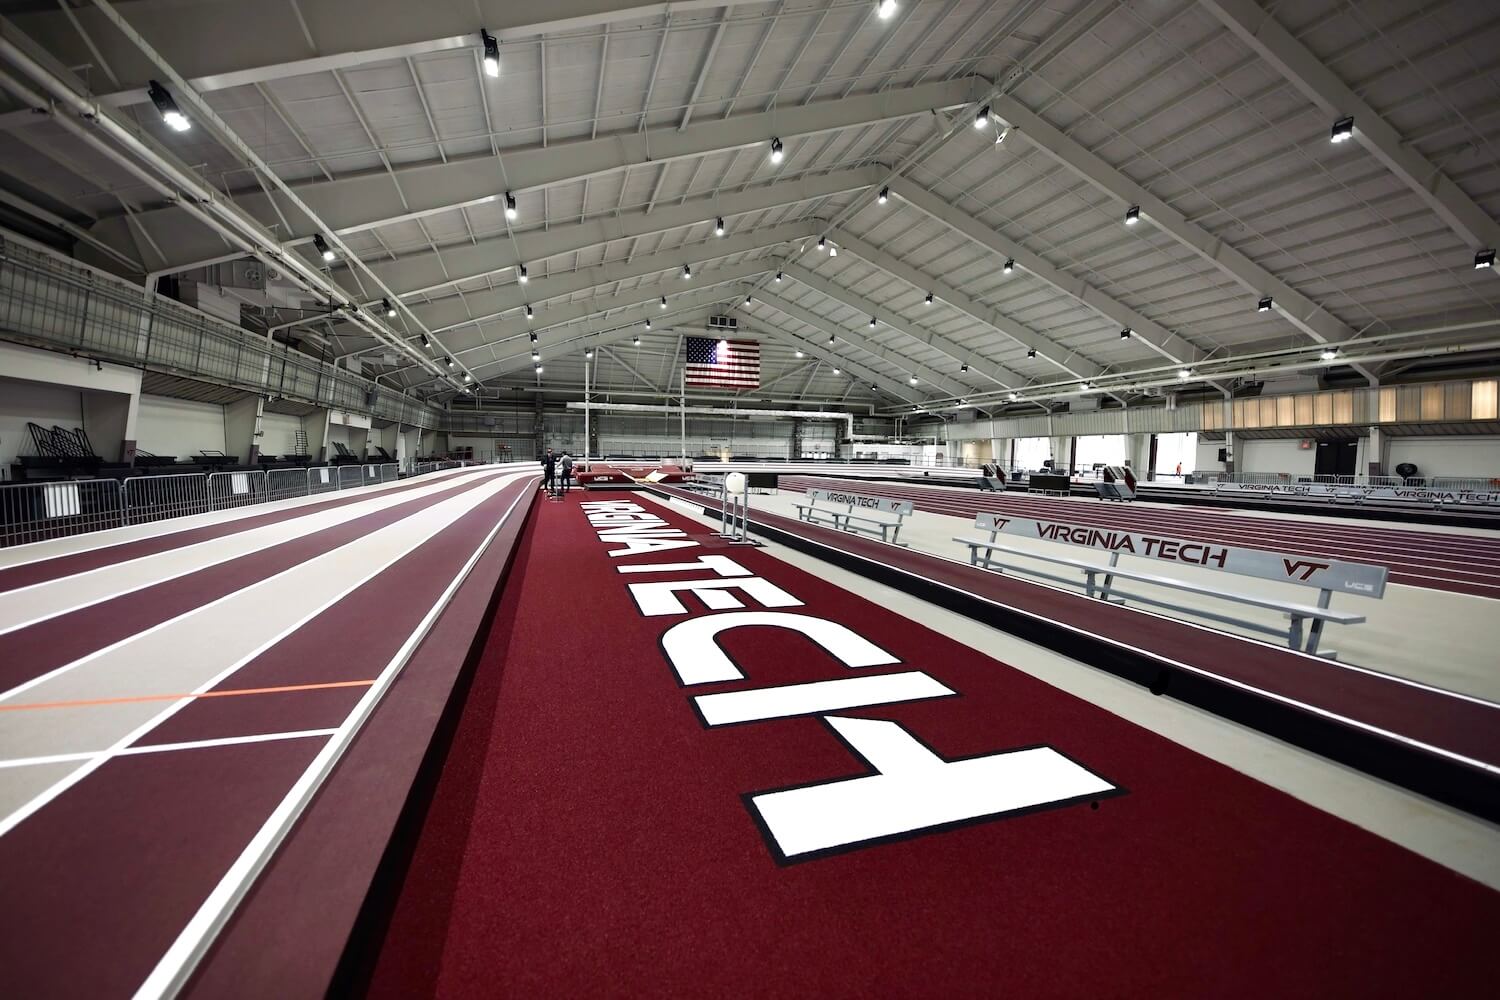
1336, 458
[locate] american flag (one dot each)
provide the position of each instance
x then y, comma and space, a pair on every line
731, 363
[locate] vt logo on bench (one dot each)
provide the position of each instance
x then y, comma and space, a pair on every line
1307, 568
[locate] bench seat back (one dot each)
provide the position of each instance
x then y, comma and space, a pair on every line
1334, 575
859, 502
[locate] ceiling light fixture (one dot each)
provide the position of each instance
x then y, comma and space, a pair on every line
1002, 135
719, 226
982, 120
425, 341
776, 151
533, 336
664, 302
491, 53
390, 310
747, 300
778, 277
1343, 130
1125, 333
799, 352
522, 275
1015, 396
1085, 386
636, 340
928, 300
885, 9
1328, 354
1184, 373
510, 206
1264, 305
323, 248
1483, 259
1010, 265
885, 195
687, 272
836, 371
833, 249
830, 340
538, 369
964, 367
536, 355
912, 380
648, 322
1132, 215
167, 107
588, 354
822, 243
529, 313
448, 361
1031, 352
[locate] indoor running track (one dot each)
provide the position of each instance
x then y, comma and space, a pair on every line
170, 694
1462, 564
604, 824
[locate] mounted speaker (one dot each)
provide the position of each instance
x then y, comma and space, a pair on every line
723, 323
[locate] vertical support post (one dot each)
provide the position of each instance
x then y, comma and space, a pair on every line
682, 441
586, 409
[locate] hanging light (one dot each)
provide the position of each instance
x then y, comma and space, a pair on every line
747, 300
448, 361
1014, 396
536, 355
912, 380
929, 298
1483, 259
522, 275
648, 322
776, 151
636, 340
1184, 373
390, 310
538, 369
719, 226
885, 9
982, 120
1264, 305
836, 371
466, 376
529, 313
872, 322
830, 340
799, 352
167, 107
1125, 333
822, 243
778, 277
323, 248
425, 341
588, 354
885, 195
687, 272
1031, 352
1343, 130
1132, 215
1329, 354
964, 367
833, 249
491, 53
1010, 265
533, 336
1085, 386
1002, 135
664, 302
510, 206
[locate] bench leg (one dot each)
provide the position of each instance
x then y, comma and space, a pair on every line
1294, 633
1314, 633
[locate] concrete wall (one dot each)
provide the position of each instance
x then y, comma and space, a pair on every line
21, 402
279, 433
180, 427
1274, 455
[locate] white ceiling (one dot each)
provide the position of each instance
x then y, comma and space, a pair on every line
368, 104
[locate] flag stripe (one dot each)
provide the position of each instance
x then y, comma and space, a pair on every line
733, 364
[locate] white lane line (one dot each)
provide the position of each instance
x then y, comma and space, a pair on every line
414, 539
226, 741
57, 548
38, 602
285, 577
178, 962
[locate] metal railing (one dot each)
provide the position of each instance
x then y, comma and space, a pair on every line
1431, 482
36, 512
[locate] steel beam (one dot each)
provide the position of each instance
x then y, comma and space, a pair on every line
1259, 30
860, 342
355, 203
1168, 344
423, 273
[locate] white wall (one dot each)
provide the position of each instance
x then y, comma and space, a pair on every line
179, 427
21, 402
1274, 455
1446, 456
279, 433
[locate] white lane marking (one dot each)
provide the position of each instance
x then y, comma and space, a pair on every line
225, 741
785, 700
275, 579
416, 539
179, 961
57, 548
33, 604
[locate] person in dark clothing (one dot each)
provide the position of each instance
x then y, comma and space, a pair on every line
549, 470
567, 471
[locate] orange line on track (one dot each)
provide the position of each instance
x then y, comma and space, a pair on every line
174, 697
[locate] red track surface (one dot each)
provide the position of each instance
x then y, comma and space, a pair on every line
1463, 564
101, 880
588, 835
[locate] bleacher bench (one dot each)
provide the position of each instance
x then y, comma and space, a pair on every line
1305, 622
865, 514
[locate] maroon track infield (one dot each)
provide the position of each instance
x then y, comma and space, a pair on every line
591, 834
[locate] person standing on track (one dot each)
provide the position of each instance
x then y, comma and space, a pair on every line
549, 469
567, 471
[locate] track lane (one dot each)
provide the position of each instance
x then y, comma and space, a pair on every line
1465, 564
